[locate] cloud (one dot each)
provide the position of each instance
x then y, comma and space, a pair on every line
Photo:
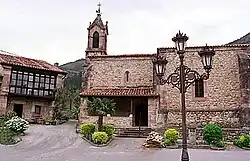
56, 30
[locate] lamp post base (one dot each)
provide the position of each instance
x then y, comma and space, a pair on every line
184, 156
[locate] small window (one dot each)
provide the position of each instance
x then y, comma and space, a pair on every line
37, 109
199, 88
95, 42
127, 76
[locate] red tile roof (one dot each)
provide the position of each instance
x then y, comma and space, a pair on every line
119, 92
214, 46
27, 62
123, 55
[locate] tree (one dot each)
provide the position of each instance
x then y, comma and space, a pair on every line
59, 102
101, 107
73, 96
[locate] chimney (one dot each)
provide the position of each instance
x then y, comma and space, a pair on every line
56, 64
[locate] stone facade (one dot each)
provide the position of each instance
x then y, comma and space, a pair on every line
98, 27
113, 70
222, 92
119, 122
29, 107
7, 102
225, 93
5, 72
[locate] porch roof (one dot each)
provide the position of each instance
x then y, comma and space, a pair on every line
146, 92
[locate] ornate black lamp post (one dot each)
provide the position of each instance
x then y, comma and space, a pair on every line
183, 77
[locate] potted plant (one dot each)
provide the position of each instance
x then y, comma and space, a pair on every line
213, 136
243, 142
170, 138
47, 122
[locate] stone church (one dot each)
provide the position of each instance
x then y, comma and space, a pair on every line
131, 81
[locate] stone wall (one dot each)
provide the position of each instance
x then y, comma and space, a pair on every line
222, 93
102, 37
29, 107
222, 89
119, 122
153, 107
224, 118
110, 72
4, 88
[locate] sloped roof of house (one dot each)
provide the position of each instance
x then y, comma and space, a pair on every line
120, 92
12, 60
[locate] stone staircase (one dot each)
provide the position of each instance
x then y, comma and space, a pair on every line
134, 132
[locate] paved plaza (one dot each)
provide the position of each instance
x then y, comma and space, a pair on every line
61, 143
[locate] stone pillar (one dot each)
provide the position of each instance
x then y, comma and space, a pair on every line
152, 106
83, 109
131, 120
3, 104
192, 136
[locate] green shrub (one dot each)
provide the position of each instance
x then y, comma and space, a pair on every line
100, 137
2, 121
10, 114
109, 129
219, 144
242, 141
170, 137
6, 136
68, 113
17, 124
212, 134
87, 129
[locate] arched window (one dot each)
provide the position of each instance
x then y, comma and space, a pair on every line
95, 42
127, 76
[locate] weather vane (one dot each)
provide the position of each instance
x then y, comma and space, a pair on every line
99, 9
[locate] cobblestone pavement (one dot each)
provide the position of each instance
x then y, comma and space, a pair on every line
60, 143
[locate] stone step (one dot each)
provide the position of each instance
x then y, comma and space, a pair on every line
133, 132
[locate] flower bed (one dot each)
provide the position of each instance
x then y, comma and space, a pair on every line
97, 138
10, 128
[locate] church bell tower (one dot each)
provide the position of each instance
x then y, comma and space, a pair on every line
97, 36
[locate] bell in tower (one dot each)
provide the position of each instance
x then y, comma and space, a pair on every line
97, 36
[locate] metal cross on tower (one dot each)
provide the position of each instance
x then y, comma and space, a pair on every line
99, 9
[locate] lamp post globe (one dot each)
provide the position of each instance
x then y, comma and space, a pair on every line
207, 58
180, 42
160, 65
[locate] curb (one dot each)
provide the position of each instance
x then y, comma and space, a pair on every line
98, 145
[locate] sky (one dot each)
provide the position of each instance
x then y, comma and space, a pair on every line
56, 30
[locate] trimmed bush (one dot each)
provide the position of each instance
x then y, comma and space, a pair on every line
100, 137
109, 129
212, 134
170, 137
17, 124
87, 129
243, 141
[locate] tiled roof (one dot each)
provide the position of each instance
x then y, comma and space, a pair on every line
215, 46
119, 92
27, 62
123, 55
